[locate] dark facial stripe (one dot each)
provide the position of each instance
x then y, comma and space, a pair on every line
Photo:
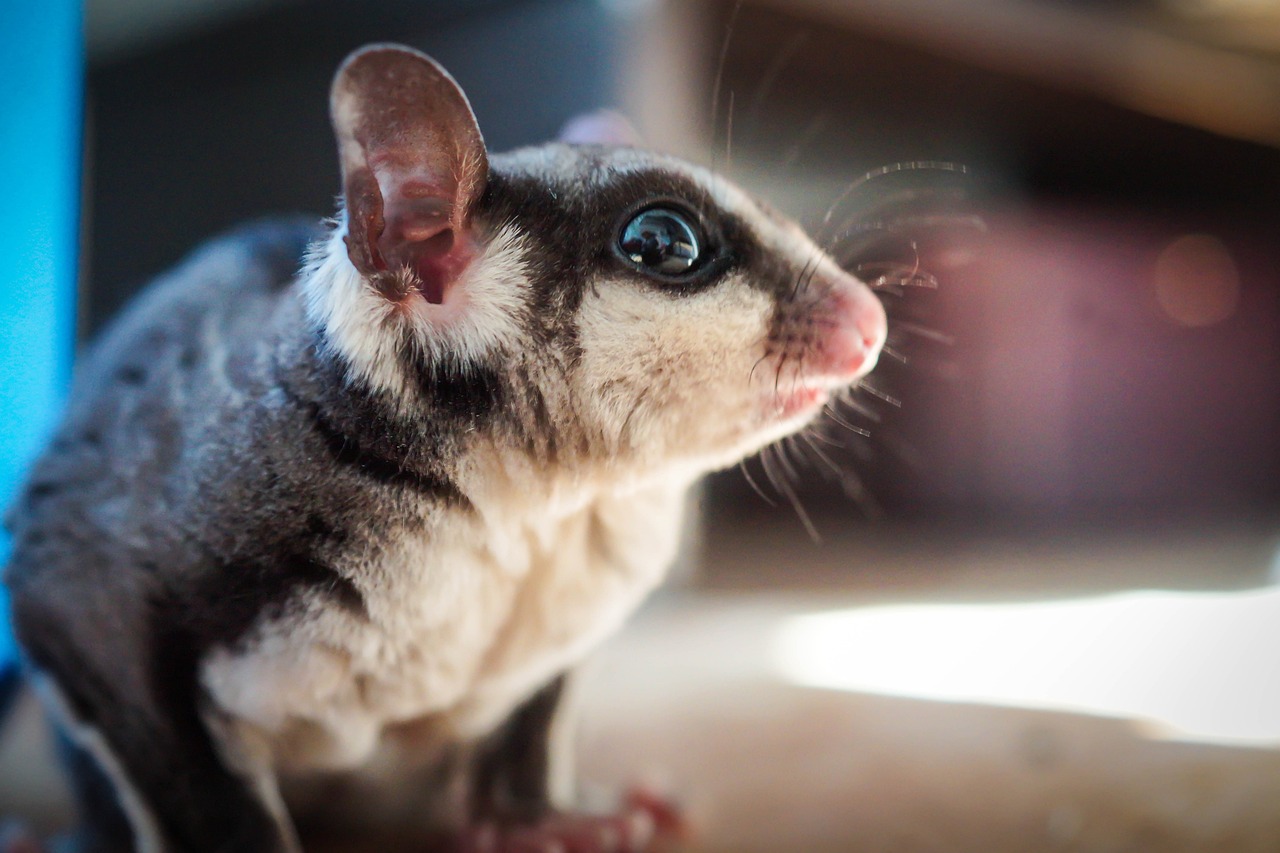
347, 452
362, 431
577, 230
539, 431
461, 395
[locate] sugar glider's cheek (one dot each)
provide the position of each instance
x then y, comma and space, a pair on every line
669, 369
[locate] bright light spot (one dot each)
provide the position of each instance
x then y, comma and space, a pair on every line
1206, 665
1196, 281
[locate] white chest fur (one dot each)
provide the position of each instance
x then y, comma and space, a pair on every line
464, 620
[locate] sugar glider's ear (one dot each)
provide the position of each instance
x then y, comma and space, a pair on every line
413, 167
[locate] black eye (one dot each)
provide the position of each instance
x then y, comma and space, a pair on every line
661, 240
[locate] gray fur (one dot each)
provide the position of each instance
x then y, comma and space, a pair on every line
307, 527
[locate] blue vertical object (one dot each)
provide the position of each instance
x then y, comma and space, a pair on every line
41, 85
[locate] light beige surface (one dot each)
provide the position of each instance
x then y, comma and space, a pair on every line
767, 767
685, 699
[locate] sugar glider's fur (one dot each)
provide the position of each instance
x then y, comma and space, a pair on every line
307, 534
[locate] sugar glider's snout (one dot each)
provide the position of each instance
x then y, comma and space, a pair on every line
851, 344
828, 332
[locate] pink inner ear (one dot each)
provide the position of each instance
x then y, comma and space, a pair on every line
439, 263
413, 167
420, 232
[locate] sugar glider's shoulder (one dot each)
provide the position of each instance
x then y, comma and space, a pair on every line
157, 357
228, 287
236, 273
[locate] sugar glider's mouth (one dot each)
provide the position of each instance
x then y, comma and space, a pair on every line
805, 395
827, 344
799, 400
846, 355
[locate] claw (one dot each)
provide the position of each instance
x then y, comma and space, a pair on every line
647, 823
668, 822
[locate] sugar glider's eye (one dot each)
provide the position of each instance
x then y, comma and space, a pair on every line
661, 240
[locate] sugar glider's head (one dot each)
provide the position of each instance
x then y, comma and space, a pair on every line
599, 308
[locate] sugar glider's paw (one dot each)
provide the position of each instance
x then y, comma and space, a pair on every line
17, 837
669, 824
646, 823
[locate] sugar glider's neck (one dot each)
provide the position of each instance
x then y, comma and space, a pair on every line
504, 483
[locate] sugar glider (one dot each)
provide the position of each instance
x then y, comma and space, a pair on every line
325, 543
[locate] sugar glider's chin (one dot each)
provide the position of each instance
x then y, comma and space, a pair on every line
799, 404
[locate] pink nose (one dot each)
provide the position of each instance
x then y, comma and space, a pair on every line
857, 342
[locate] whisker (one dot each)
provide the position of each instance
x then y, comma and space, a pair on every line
809, 278
851, 484
891, 168
720, 64
728, 136
746, 473
789, 492
771, 74
898, 275
786, 447
847, 398
815, 433
809, 439
924, 332
831, 412
876, 392
872, 218
814, 258
899, 357
810, 133
854, 489
766, 464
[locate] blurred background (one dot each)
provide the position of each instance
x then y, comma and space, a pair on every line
1020, 594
